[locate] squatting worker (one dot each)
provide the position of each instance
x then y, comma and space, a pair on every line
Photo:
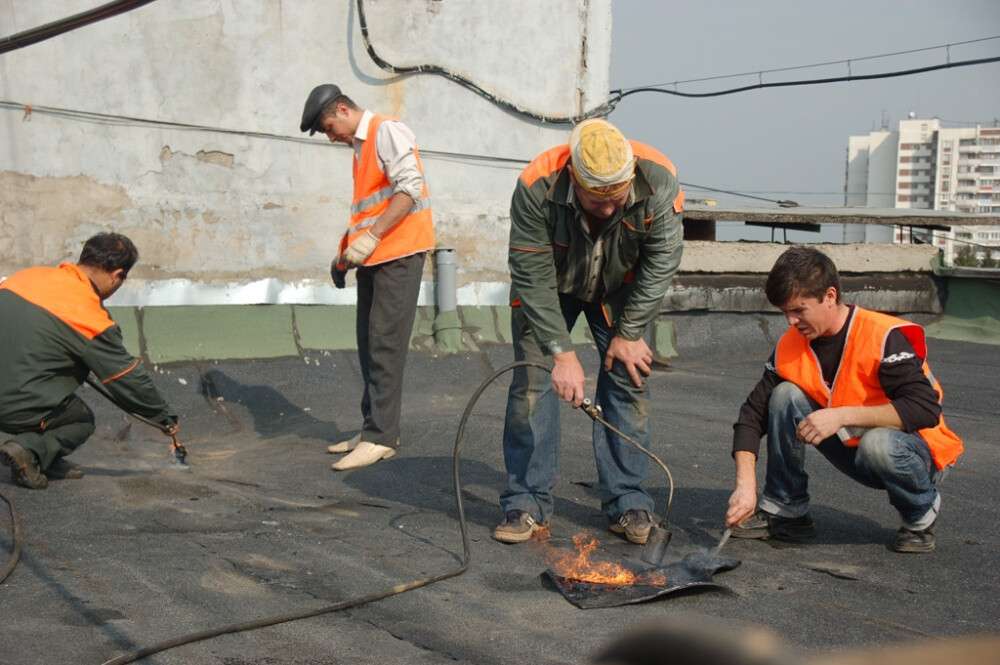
595, 230
54, 331
855, 385
389, 234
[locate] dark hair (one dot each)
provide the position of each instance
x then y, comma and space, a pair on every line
803, 272
109, 252
331, 107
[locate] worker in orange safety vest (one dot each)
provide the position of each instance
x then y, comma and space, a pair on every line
853, 383
389, 234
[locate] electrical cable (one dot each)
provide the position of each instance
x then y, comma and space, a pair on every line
598, 111
842, 61
405, 586
56, 28
16, 538
618, 95
122, 120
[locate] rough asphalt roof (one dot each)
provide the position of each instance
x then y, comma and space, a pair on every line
135, 552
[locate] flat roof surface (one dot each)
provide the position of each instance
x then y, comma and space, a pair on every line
839, 215
135, 552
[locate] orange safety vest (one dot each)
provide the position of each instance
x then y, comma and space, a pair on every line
856, 382
64, 292
372, 191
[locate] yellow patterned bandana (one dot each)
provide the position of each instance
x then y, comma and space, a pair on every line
601, 158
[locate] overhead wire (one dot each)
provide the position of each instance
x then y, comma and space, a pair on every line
618, 95
841, 61
123, 120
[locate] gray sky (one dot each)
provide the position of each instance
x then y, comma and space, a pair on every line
794, 139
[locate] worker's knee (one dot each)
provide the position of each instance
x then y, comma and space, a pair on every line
879, 450
785, 395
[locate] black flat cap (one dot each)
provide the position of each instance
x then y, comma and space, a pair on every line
320, 96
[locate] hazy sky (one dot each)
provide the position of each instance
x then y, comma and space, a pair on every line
792, 139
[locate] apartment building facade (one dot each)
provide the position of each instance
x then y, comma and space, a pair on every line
923, 165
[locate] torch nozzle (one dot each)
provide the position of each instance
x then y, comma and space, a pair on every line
180, 452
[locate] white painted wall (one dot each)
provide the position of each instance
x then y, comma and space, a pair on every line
214, 213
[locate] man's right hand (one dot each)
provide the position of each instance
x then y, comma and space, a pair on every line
743, 500
742, 503
567, 377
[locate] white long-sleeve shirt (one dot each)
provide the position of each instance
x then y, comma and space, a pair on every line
396, 147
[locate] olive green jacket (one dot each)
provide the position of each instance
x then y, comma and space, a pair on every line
54, 331
552, 254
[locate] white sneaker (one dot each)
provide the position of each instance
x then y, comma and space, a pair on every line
364, 454
345, 446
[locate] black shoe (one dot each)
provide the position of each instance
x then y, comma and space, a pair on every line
63, 469
763, 525
634, 525
914, 542
23, 466
517, 527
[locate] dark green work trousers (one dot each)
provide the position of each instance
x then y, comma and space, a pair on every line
61, 432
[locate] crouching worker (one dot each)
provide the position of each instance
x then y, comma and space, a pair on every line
54, 331
855, 385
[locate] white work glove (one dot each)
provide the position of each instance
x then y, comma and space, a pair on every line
360, 249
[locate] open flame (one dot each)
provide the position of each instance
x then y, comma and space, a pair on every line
578, 565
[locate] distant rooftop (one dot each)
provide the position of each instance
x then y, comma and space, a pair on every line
829, 215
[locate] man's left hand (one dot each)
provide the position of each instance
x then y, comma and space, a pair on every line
360, 249
819, 426
635, 355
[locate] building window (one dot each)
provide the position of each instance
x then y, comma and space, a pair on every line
903, 197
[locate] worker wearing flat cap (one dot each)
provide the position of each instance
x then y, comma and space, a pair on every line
388, 235
595, 231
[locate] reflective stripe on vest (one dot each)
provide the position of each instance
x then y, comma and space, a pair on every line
856, 382
372, 193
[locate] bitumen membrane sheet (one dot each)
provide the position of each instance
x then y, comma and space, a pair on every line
136, 552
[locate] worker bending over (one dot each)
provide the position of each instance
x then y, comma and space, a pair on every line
595, 230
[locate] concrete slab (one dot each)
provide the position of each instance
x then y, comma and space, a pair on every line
193, 333
134, 553
758, 257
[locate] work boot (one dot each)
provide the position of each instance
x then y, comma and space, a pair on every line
634, 525
24, 469
517, 527
345, 446
909, 541
63, 469
365, 454
763, 525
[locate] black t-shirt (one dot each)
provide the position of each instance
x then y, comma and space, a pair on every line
900, 374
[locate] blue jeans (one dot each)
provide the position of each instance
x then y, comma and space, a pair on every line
531, 429
886, 459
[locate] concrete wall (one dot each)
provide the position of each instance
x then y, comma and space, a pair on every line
223, 218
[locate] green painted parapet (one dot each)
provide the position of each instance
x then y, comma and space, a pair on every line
971, 312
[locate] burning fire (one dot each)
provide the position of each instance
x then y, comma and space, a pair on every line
577, 565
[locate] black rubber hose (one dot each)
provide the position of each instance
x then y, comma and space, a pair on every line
138, 654
16, 538
363, 600
55, 28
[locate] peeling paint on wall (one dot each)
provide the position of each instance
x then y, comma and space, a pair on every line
216, 157
51, 217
